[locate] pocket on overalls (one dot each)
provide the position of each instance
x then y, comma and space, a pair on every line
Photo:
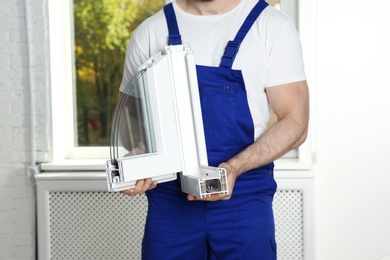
219, 117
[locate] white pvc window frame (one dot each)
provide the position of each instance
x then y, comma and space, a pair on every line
61, 33
63, 86
168, 123
163, 161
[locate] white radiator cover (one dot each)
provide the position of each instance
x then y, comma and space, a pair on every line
78, 219
95, 225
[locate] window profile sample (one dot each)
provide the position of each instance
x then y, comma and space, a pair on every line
157, 129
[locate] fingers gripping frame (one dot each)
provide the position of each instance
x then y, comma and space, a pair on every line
167, 136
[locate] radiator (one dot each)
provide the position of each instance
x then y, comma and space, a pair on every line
79, 223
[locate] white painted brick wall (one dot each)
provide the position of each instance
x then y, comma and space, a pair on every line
17, 199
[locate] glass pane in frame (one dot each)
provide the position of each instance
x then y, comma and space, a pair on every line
132, 130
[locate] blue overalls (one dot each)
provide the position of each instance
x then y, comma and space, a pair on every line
241, 227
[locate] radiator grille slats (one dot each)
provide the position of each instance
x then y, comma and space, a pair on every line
103, 225
96, 225
288, 211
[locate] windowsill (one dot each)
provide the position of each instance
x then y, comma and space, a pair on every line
292, 164
75, 165
284, 168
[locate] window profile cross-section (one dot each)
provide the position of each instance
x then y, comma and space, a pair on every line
157, 128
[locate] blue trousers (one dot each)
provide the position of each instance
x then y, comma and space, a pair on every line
239, 228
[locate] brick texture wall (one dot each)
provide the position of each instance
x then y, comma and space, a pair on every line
17, 198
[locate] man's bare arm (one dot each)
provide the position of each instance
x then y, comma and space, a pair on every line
290, 102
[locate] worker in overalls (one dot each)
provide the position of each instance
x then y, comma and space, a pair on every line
249, 62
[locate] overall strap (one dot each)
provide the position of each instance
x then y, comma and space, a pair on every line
232, 47
173, 29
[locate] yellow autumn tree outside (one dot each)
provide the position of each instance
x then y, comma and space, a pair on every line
102, 29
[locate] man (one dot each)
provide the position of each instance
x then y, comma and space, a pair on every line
249, 61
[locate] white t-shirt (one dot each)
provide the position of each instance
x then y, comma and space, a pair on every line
270, 54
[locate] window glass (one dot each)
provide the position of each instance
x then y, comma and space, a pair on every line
132, 131
102, 29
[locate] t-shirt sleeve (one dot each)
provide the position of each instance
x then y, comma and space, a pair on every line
285, 61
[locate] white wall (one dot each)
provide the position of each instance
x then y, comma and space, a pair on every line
17, 200
353, 104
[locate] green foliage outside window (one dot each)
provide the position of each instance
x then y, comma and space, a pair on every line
102, 30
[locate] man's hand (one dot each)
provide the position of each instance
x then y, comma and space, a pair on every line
231, 178
140, 187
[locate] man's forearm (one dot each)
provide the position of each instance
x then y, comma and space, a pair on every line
285, 135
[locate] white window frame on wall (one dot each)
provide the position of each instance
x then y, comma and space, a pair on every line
62, 84
64, 152
63, 89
